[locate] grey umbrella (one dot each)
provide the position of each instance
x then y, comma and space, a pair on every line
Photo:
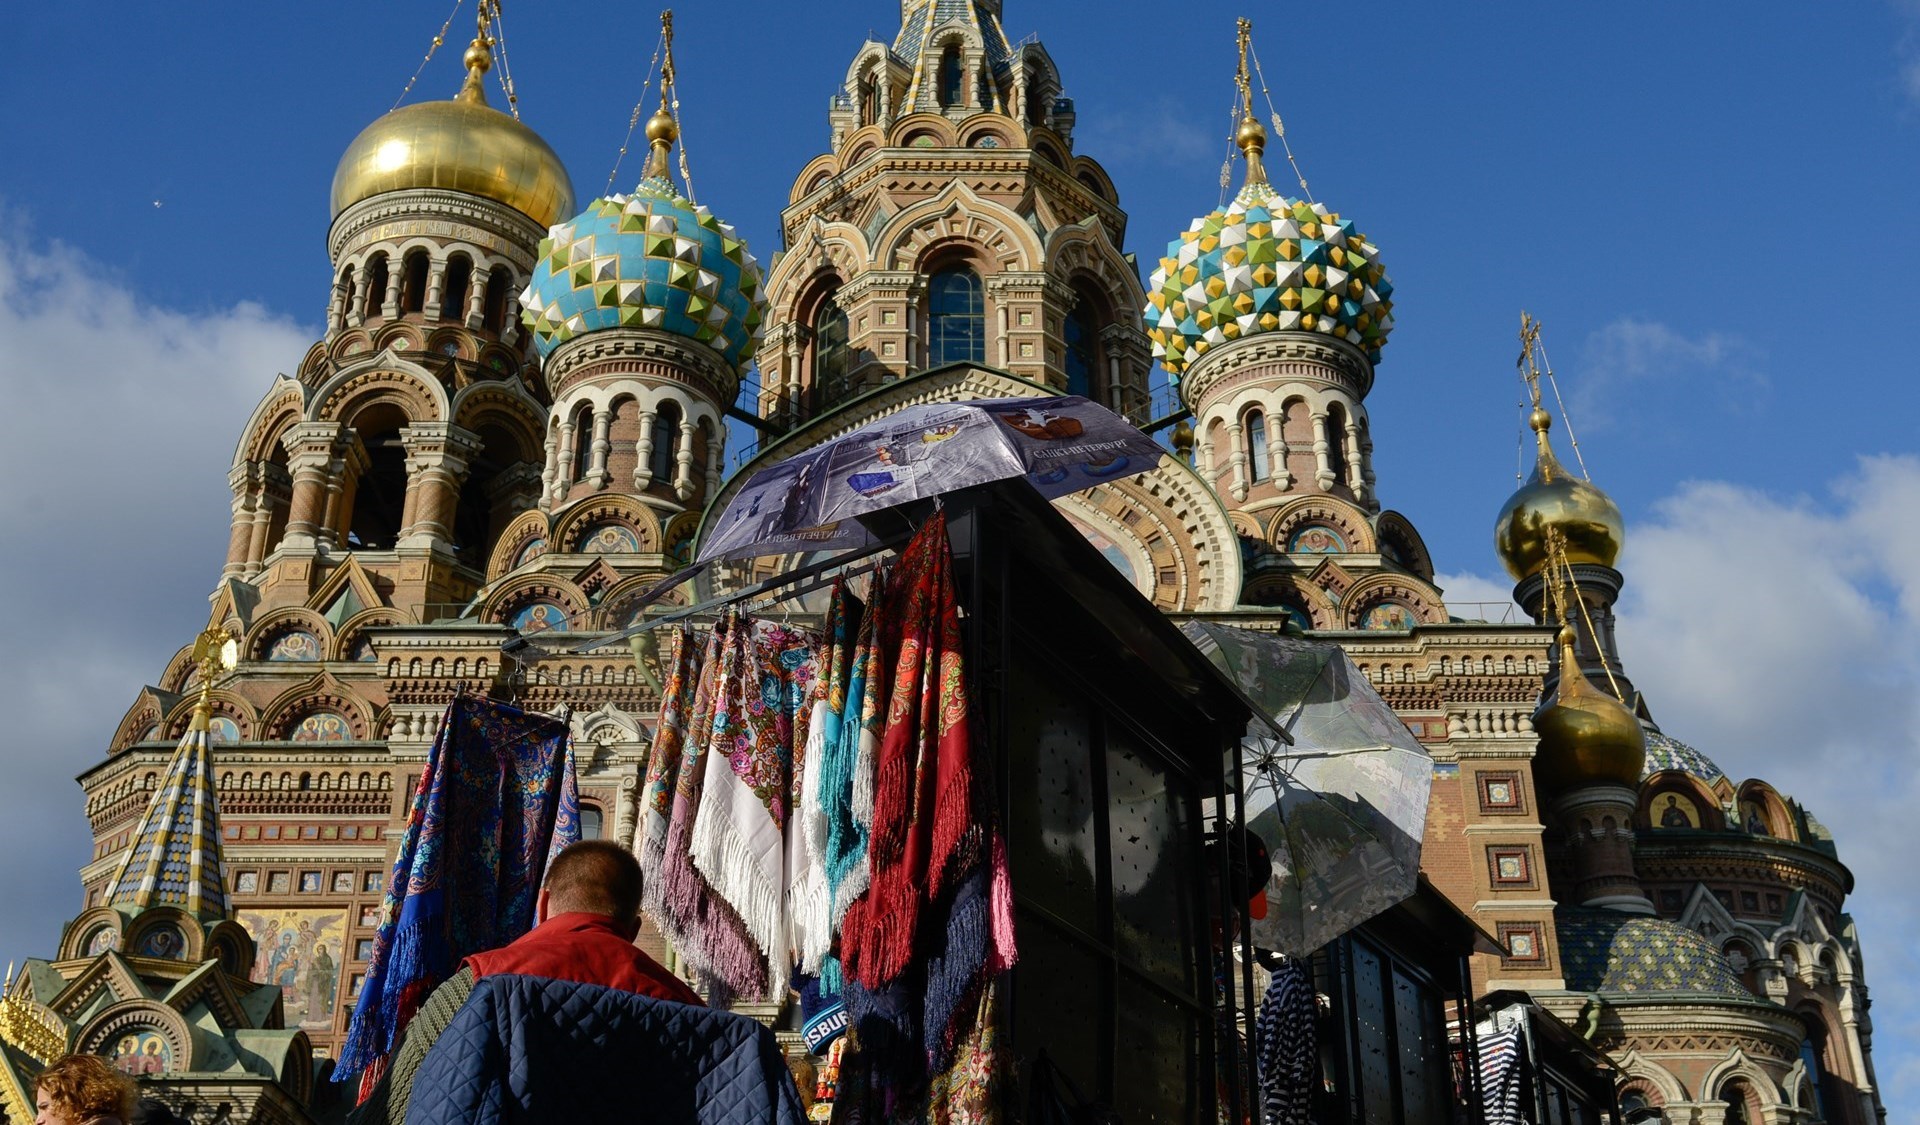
1341, 810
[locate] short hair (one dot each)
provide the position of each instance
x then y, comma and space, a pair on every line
82, 1087
595, 877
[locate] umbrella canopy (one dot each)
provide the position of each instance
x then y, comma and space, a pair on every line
1341, 810
810, 501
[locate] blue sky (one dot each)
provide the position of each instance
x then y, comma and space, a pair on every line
1709, 205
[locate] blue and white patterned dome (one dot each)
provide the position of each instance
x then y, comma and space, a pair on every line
653, 259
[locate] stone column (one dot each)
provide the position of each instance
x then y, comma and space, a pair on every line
1355, 480
597, 456
244, 480
1322, 451
1238, 461
436, 287
476, 297
683, 457
563, 473
396, 273
437, 458
550, 468
355, 316
1277, 450
643, 451
349, 462
626, 811
714, 447
310, 453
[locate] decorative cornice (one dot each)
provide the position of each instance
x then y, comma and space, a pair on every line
433, 213
646, 352
1277, 356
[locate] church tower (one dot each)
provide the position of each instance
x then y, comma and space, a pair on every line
1269, 314
951, 222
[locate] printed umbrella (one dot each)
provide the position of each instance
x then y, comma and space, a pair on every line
1342, 809
810, 501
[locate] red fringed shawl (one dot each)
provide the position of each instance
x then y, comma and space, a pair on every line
926, 828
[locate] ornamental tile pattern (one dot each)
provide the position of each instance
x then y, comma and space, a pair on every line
1609, 951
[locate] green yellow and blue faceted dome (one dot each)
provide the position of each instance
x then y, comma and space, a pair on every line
1266, 263
652, 259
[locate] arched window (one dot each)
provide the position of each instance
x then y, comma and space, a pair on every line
1256, 432
950, 78
1337, 444
499, 288
666, 432
1082, 331
413, 282
380, 491
592, 822
346, 293
376, 285
831, 353
453, 298
582, 441
956, 318
869, 100
1036, 97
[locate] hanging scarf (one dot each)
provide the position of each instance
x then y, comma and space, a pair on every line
495, 802
738, 840
925, 818
846, 768
809, 891
1288, 1046
682, 667
966, 1089
704, 929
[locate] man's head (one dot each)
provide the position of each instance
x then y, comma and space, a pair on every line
594, 877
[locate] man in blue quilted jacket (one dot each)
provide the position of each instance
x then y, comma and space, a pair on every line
588, 915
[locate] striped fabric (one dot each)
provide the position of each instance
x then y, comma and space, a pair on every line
1288, 1045
1500, 1076
175, 859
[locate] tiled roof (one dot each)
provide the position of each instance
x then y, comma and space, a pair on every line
1666, 753
1609, 951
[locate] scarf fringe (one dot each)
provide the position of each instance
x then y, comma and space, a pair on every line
732, 867
954, 973
958, 832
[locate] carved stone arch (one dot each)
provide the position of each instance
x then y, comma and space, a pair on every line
399, 336
354, 628
180, 670
105, 1029
165, 917
282, 406
519, 536
1182, 532
313, 363
872, 55
501, 360
279, 718
1094, 178
380, 379
1651, 1076
1774, 812
1278, 588
1347, 519
1706, 809
349, 345
273, 624
1375, 589
909, 129
608, 725
519, 591
509, 422
226, 704
616, 608
1004, 131
1706, 915
95, 921
996, 234
1738, 1065
147, 713
569, 528
1085, 249
1245, 524
1050, 146
1396, 530
818, 173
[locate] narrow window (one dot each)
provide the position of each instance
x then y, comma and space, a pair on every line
499, 288
666, 431
1337, 444
956, 318
582, 442
1257, 444
950, 78
830, 349
1083, 350
869, 101
453, 300
413, 283
376, 285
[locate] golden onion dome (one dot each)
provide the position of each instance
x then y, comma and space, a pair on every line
1554, 499
1587, 737
461, 145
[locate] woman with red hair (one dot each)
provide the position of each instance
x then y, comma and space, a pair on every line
82, 1090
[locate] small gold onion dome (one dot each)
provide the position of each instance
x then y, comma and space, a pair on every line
460, 145
1554, 498
1586, 736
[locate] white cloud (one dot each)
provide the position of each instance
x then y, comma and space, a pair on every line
1781, 635
121, 420
1471, 597
1654, 361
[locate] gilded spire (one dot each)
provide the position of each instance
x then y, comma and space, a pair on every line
479, 59
1251, 136
176, 857
662, 129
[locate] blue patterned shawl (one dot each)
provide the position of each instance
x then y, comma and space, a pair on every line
494, 804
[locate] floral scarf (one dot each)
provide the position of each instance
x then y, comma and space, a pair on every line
809, 891
682, 667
